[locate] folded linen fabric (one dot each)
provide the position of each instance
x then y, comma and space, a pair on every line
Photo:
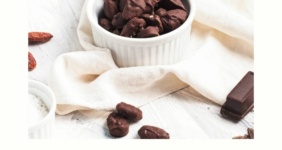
221, 52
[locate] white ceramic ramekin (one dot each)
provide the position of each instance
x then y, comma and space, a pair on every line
162, 50
42, 129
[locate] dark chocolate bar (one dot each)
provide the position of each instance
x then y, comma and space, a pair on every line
240, 100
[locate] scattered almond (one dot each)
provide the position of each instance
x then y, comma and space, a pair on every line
31, 62
39, 37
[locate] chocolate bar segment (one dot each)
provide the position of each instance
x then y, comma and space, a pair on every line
240, 100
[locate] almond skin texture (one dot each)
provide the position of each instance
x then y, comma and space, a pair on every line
31, 62
39, 37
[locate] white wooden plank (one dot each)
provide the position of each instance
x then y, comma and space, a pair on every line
184, 114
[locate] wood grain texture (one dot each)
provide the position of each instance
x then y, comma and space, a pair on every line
185, 114
60, 18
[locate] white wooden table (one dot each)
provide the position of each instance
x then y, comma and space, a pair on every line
185, 114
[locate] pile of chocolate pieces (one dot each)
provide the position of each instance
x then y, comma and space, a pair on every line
142, 18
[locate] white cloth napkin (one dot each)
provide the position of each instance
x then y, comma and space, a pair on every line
221, 54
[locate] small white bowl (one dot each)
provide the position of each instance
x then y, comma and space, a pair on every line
165, 49
42, 129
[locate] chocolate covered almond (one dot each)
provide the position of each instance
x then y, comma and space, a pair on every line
173, 19
171, 4
133, 27
118, 126
118, 21
105, 23
133, 8
110, 8
130, 112
153, 20
149, 31
152, 132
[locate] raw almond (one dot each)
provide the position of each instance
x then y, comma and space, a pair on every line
31, 62
39, 37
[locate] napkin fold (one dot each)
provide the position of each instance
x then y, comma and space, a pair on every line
221, 53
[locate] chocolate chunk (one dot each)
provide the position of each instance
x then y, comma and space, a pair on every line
133, 8
110, 8
118, 21
173, 19
130, 112
153, 20
241, 99
150, 5
121, 4
149, 31
152, 132
133, 27
117, 125
171, 4
106, 24
161, 12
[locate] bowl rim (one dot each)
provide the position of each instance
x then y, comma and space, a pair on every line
118, 38
44, 88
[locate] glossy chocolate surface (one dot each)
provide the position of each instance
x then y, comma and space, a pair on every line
241, 99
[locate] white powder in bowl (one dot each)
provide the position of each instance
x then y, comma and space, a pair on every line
37, 109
